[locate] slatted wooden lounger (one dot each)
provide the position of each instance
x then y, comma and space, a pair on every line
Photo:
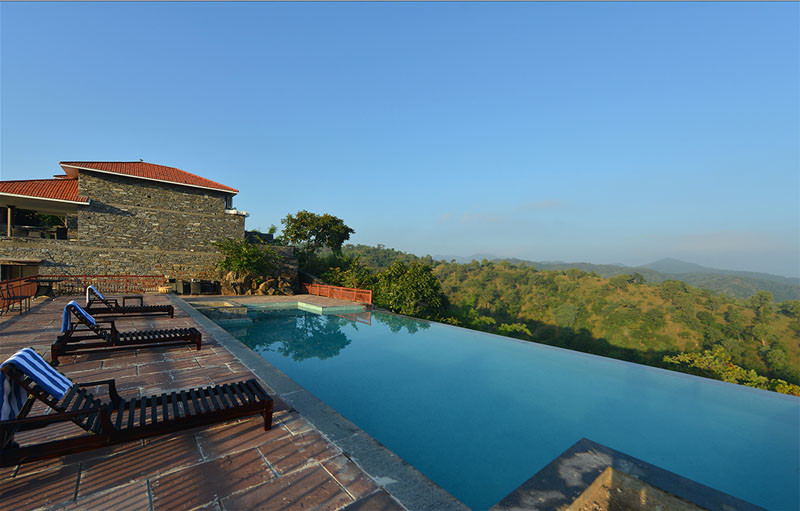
117, 420
99, 304
108, 338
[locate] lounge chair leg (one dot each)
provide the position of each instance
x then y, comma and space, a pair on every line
267, 413
54, 348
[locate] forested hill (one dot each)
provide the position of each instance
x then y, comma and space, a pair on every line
738, 284
622, 317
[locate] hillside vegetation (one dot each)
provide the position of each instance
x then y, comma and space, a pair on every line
669, 324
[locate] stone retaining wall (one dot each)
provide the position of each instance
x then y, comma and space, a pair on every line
73, 257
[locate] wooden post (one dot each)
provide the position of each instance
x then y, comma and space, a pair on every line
10, 219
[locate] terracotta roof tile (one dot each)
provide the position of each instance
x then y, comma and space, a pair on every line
59, 189
146, 170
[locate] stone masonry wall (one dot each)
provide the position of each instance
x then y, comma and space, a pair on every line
138, 227
135, 213
72, 257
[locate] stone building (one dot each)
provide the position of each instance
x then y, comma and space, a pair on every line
107, 218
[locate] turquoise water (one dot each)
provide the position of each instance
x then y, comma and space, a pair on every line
479, 414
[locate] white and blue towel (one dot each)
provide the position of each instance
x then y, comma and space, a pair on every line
13, 396
98, 293
79, 311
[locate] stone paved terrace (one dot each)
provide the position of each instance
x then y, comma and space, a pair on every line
228, 467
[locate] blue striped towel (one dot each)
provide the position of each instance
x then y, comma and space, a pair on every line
79, 311
98, 293
13, 396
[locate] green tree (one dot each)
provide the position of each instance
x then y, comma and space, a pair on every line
672, 289
790, 308
761, 303
566, 315
310, 232
410, 289
717, 364
246, 258
515, 330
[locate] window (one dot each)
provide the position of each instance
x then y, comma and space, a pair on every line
229, 202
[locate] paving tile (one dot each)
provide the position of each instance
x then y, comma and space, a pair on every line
378, 501
201, 484
41, 489
74, 459
129, 497
96, 374
167, 365
295, 423
290, 453
152, 459
52, 432
311, 488
232, 438
350, 476
75, 368
118, 360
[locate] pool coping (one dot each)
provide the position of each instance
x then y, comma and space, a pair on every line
405, 483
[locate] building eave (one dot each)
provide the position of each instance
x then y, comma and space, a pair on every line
65, 167
35, 197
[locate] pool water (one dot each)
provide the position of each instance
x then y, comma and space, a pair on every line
479, 414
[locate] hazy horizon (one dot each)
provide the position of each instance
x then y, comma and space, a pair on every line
597, 132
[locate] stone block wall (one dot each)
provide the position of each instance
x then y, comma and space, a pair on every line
72, 257
135, 213
138, 227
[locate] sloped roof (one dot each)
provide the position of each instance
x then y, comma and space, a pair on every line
150, 171
53, 189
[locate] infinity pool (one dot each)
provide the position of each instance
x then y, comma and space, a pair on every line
479, 414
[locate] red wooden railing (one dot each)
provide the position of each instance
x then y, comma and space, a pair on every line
342, 293
12, 291
106, 284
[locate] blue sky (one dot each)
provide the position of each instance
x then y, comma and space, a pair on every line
599, 132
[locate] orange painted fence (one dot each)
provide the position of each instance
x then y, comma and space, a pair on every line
106, 284
341, 293
16, 291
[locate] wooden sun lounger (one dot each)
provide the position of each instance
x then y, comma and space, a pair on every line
108, 338
117, 420
99, 306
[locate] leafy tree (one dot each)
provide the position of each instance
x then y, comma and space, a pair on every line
761, 303
566, 315
246, 258
410, 289
515, 330
790, 308
575, 274
672, 289
763, 333
351, 273
717, 364
310, 232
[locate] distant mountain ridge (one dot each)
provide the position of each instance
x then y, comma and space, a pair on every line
738, 284
676, 266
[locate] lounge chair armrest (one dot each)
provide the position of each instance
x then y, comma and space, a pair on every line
53, 417
112, 388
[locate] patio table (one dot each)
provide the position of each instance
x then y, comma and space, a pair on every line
44, 286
